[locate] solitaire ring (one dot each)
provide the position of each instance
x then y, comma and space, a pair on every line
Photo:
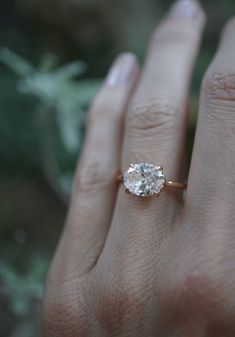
146, 180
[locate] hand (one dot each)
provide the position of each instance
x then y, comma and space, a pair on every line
147, 267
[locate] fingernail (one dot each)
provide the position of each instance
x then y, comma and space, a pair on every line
188, 9
122, 70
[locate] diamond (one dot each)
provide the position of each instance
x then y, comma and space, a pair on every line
144, 179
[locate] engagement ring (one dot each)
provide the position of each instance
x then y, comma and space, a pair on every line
146, 180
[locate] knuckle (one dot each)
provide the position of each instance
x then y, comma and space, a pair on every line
219, 89
122, 300
64, 312
197, 293
160, 114
95, 175
61, 317
125, 303
55, 318
220, 86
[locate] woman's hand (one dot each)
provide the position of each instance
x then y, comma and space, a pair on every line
142, 267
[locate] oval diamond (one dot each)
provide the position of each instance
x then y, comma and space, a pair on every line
144, 179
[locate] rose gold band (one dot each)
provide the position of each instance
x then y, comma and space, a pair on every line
181, 186
169, 183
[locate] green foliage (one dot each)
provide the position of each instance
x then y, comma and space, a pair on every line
55, 87
21, 294
60, 114
21, 291
59, 104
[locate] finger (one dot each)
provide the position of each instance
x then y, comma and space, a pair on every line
156, 127
155, 124
202, 270
211, 190
96, 180
156, 121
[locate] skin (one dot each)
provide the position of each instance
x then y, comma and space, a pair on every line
133, 267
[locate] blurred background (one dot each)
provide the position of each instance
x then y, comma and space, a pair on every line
53, 56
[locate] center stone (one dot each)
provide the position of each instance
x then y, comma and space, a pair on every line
144, 179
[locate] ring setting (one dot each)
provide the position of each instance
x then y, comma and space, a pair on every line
146, 180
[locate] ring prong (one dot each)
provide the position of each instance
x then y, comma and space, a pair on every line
160, 168
120, 178
128, 191
131, 165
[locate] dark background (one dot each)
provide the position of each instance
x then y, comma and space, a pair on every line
32, 209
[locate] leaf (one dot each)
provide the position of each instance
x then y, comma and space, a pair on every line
41, 85
19, 65
70, 111
70, 70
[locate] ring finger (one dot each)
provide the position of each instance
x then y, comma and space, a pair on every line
156, 125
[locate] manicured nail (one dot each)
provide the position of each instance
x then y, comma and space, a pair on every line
188, 9
122, 70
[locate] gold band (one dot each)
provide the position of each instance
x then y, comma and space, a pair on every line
181, 186
169, 183
120, 178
